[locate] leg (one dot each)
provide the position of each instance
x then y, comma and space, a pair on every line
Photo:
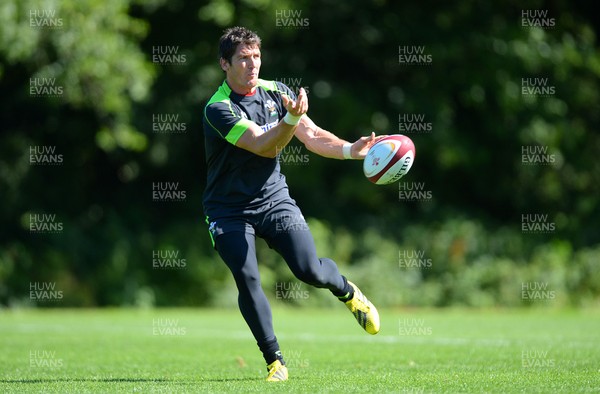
298, 250
238, 251
288, 233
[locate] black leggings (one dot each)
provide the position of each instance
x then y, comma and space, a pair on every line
297, 247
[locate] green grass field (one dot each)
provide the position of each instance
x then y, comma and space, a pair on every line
203, 350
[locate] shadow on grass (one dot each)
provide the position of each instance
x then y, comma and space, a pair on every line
107, 380
223, 380
123, 380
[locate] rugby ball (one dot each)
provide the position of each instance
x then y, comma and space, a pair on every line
389, 159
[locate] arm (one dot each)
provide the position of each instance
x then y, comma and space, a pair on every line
270, 143
266, 144
327, 144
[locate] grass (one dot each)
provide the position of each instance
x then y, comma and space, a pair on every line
203, 350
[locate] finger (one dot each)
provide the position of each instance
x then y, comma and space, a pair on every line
290, 105
302, 106
297, 102
303, 100
371, 140
369, 137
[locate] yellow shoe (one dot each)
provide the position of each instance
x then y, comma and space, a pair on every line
365, 313
277, 372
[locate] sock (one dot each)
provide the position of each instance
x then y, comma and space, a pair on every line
278, 356
347, 292
271, 352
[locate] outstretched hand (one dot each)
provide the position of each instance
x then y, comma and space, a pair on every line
298, 107
361, 147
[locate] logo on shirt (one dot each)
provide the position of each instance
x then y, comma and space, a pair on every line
268, 126
270, 106
212, 227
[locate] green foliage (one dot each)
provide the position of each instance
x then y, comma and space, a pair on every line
91, 49
458, 263
101, 122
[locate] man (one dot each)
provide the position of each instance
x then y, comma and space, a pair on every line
247, 122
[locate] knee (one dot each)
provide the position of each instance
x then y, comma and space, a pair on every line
247, 280
311, 274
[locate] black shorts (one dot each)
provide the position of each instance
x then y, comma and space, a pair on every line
266, 222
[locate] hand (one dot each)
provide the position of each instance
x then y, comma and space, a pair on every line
361, 147
298, 107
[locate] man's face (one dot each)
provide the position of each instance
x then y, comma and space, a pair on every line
242, 73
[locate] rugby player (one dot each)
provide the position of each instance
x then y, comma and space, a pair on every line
247, 122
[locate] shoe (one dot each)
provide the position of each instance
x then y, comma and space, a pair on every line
365, 313
277, 372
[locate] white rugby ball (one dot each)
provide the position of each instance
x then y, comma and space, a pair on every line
389, 159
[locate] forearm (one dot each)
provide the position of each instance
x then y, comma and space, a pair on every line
326, 144
269, 144
266, 144
320, 141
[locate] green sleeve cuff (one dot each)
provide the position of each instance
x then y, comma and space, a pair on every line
237, 130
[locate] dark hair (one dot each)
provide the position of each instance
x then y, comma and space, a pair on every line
234, 36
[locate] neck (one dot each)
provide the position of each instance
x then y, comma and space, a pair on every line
240, 89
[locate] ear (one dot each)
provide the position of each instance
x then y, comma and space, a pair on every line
224, 64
